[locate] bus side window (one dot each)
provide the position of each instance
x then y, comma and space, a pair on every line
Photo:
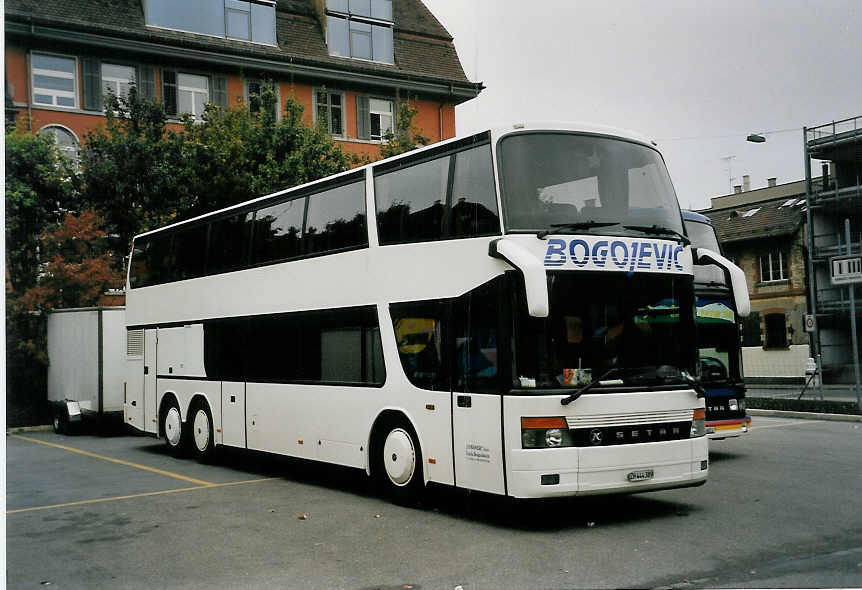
278, 232
336, 219
474, 199
229, 243
475, 327
419, 333
411, 202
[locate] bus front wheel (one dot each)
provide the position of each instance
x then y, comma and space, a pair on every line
397, 466
60, 421
202, 432
172, 427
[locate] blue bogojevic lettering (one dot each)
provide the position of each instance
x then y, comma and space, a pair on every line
616, 255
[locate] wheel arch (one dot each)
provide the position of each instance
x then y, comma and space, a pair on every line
387, 415
167, 397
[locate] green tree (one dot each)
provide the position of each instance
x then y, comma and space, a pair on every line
133, 169
141, 174
405, 136
39, 187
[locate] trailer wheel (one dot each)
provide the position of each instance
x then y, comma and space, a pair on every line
397, 462
202, 432
172, 426
60, 422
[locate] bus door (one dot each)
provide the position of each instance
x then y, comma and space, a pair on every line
151, 412
477, 426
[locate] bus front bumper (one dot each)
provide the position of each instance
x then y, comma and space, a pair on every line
618, 469
720, 429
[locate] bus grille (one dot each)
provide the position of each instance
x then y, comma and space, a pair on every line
630, 435
632, 419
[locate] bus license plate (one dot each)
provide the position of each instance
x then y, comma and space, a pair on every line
640, 475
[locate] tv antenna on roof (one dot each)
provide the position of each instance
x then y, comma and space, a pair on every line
728, 160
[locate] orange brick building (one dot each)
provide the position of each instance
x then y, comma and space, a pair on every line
345, 61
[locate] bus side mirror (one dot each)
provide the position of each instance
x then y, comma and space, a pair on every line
734, 275
532, 269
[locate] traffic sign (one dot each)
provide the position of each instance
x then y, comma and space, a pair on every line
846, 269
809, 322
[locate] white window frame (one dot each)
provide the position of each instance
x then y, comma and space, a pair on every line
54, 94
782, 268
329, 94
193, 90
391, 114
116, 81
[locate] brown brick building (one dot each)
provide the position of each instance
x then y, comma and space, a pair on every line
346, 61
763, 232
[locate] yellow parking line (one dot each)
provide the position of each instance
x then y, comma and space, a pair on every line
199, 482
141, 495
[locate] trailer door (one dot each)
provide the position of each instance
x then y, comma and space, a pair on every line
151, 411
477, 427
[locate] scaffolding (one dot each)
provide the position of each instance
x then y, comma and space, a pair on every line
834, 220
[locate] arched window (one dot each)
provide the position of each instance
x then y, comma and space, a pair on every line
65, 140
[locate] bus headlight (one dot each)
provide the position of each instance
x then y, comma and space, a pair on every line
734, 406
698, 423
553, 437
543, 433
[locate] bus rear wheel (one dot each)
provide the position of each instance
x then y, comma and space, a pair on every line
202, 432
172, 427
397, 463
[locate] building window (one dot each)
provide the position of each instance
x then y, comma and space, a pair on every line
246, 20
776, 330
189, 93
254, 96
55, 80
329, 109
381, 117
360, 29
66, 142
117, 79
773, 267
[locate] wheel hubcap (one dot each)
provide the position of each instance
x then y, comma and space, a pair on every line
173, 427
399, 457
202, 430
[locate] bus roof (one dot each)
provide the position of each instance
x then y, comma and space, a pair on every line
496, 133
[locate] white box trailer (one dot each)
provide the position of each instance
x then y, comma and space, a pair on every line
86, 356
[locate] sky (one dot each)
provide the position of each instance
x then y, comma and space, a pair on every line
697, 76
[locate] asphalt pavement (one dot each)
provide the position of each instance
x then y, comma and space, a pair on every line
782, 507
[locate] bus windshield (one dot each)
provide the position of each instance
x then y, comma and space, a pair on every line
641, 326
717, 341
551, 179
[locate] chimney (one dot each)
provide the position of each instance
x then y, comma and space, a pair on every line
771, 181
746, 183
737, 188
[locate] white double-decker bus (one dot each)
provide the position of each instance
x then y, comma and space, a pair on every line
515, 315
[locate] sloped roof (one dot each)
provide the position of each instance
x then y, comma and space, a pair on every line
772, 219
423, 48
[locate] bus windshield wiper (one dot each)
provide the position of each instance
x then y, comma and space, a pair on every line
575, 226
576, 394
657, 229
